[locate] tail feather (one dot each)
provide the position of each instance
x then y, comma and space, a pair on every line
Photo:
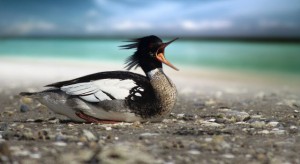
27, 93
37, 94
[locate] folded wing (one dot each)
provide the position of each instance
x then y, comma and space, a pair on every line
100, 90
106, 86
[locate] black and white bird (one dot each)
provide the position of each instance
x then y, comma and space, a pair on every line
117, 96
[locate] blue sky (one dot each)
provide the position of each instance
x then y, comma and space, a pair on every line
279, 18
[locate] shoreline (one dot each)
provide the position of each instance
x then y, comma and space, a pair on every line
34, 69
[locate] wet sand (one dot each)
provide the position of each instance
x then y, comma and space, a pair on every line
220, 117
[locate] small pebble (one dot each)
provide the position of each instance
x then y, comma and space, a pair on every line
9, 113
108, 128
256, 116
60, 137
53, 121
209, 124
13, 124
59, 143
229, 156
208, 139
292, 103
35, 155
181, 115
122, 153
258, 124
248, 156
3, 126
194, 152
137, 124
30, 120
234, 116
277, 131
21, 126
24, 108
70, 125
149, 134
89, 135
19, 152
241, 123
167, 120
264, 132
80, 143
26, 100
272, 124
210, 102
212, 120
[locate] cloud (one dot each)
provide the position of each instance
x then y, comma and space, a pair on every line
131, 25
31, 26
187, 18
190, 17
138, 10
275, 24
206, 25
93, 28
122, 26
92, 13
165, 16
101, 2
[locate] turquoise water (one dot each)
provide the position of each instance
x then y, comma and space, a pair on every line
259, 56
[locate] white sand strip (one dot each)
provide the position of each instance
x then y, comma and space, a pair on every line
31, 71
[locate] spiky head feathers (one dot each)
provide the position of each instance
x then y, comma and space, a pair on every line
146, 47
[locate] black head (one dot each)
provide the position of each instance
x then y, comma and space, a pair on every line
149, 54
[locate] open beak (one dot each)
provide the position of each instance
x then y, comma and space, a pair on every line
161, 56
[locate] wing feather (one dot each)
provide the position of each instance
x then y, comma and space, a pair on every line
90, 98
80, 89
100, 90
104, 85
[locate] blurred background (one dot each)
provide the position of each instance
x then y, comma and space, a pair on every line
258, 35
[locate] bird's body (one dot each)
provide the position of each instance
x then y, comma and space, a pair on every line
116, 95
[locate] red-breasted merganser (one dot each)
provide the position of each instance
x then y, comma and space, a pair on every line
117, 96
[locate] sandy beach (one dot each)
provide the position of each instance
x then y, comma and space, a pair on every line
221, 116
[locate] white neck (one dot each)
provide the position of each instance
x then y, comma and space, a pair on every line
151, 73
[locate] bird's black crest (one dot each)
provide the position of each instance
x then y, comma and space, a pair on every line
130, 46
132, 61
138, 43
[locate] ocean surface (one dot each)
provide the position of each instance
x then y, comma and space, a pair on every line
240, 55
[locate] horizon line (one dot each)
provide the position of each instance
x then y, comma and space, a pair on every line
216, 38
